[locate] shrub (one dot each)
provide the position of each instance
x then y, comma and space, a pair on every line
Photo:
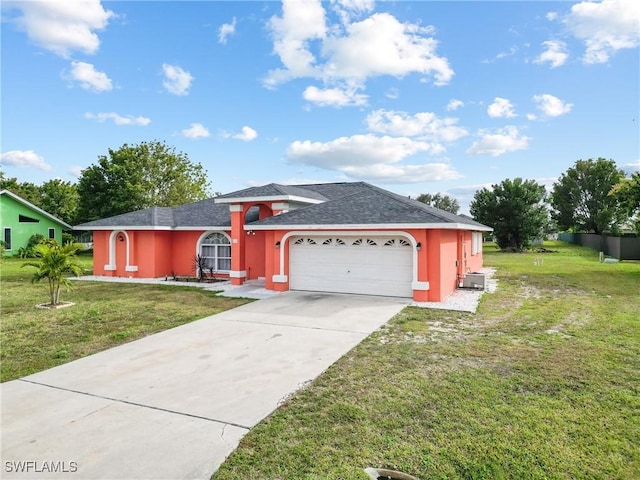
36, 239
67, 238
54, 262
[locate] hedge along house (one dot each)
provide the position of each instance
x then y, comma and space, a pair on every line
20, 220
334, 237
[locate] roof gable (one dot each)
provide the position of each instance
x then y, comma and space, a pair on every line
31, 206
271, 192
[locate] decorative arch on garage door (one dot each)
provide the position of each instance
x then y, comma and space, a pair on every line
372, 263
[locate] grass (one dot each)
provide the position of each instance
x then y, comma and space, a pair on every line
104, 315
542, 383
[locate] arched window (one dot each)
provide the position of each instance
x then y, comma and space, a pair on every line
216, 249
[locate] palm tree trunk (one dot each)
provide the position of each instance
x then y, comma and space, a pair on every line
57, 292
52, 291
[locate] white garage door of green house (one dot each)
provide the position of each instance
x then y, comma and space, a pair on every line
368, 265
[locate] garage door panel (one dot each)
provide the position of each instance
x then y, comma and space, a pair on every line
336, 265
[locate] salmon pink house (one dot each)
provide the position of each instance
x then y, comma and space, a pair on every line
331, 237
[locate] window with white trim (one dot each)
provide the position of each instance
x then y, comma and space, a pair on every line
476, 243
7, 238
216, 250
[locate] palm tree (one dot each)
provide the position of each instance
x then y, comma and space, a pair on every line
54, 261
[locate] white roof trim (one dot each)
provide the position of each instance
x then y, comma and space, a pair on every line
203, 227
157, 228
33, 207
375, 226
274, 198
122, 227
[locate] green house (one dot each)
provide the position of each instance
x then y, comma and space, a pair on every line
19, 220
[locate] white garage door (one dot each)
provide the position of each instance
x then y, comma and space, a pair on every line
365, 265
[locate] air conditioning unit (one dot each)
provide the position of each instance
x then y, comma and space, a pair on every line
473, 280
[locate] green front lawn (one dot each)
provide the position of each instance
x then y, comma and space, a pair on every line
104, 315
542, 383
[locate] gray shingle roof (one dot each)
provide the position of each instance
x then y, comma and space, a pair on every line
331, 191
356, 203
197, 214
202, 213
154, 216
368, 205
274, 190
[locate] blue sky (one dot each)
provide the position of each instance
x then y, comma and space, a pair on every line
414, 97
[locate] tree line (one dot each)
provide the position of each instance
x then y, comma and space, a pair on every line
130, 178
593, 196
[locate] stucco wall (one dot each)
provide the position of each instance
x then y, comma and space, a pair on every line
184, 247
254, 254
149, 253
448, 264
100, 252
442, 256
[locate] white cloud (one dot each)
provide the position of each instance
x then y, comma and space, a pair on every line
454, 104
247, 134
381, 45
501, 108
196, 130
551, 106
551, 16
353, 52
512, 51
632, 167
76, 171
118, 119
605, 27
384, 173
63, 26
334, 97
347, 9
372, 157
555, 53
504, 140
176, 80
424, 125
88, 77
392, 93
300, 23
357, 150
24, 158
225, 30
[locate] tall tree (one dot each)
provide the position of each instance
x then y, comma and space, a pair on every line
443, 202
515, 209
139, 176
26, 190
60, 199
627, 193
581, 199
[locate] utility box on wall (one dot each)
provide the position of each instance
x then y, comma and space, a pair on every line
473, 280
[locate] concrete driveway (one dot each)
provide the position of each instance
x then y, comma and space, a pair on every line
175, 404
